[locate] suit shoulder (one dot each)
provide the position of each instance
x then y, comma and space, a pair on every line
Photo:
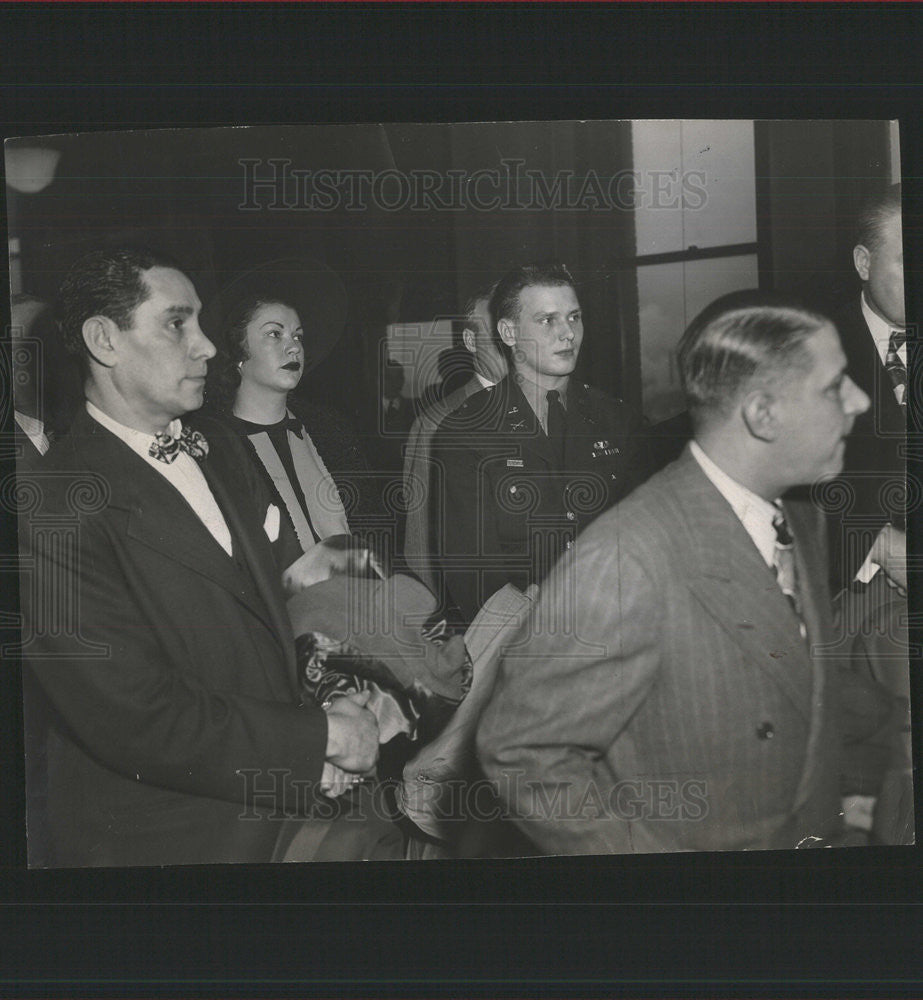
649, 519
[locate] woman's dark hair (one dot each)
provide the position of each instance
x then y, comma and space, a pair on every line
230, 340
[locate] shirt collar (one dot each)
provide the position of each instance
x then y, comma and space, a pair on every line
486, 383
138, 441
880, 329
753, 512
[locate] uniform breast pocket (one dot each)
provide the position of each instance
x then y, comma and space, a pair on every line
516, 499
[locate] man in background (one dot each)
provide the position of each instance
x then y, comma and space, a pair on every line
489, 367
870, 533
528, 463
30, 320
867, 522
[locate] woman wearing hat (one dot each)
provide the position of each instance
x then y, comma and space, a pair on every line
308, 452
261, 360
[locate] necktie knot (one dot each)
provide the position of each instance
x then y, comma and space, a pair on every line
165, 447
897, 340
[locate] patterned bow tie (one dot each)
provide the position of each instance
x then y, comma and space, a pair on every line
165, 447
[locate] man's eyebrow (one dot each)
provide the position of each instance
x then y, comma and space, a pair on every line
179, 310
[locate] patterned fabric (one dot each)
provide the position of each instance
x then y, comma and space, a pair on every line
329, 669
783, 562
165, 447
895, 367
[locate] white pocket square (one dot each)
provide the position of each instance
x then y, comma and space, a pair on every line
271, 524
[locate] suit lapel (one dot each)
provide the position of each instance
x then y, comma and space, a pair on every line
258, 559
738, 589
160, 518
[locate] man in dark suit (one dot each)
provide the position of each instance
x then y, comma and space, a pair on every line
867, 503
520, 468
489, 367
153, 609
869, 532
29, 318
664, 696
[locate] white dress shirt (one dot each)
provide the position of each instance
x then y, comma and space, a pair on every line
34, 430
485, 382
753, 512
183, 473
881, 331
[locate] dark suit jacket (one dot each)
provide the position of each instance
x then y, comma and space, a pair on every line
169, 665
419, 546
675, 706
868, 493
501, 510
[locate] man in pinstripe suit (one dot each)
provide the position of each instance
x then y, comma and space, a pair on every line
672, 691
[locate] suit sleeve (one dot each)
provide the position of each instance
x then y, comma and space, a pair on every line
463, 524
149, 702
565, 693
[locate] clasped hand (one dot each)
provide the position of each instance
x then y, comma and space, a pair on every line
352, 743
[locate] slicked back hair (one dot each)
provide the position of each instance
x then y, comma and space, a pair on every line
104, 283
874, 216
739, 340
505, 302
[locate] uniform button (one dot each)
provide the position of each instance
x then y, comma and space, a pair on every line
612, 475
568, 544
512, 489
570, 515
766, 731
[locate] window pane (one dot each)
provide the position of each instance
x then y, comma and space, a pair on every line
695, 184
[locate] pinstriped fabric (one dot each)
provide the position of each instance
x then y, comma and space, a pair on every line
683, 696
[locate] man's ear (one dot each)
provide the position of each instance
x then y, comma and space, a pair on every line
98, 337
759, 412
862, 259
468, 341
507, 331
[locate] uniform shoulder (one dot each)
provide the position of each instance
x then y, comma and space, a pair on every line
470, 412
599, 397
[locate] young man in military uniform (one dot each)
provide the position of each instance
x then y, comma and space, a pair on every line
521, 467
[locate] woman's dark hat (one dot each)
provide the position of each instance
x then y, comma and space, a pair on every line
310, 287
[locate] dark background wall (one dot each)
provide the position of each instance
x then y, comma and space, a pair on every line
182, 191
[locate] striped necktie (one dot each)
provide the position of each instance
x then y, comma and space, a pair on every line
783, 562
895, 367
